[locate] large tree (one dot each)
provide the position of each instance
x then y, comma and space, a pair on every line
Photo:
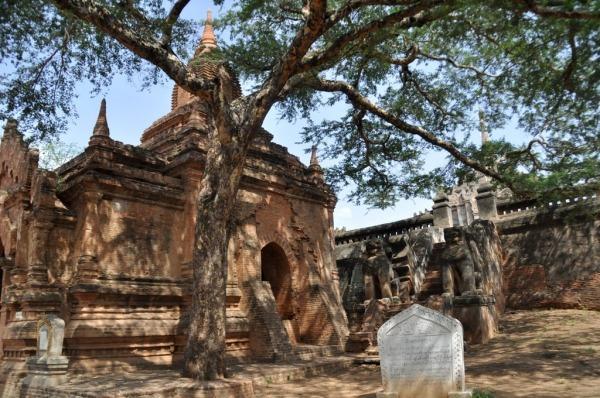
412, 73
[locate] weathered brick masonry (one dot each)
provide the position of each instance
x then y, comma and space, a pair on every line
523, 256
552, 254
105, 242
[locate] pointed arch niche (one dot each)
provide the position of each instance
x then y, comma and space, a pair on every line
275, 269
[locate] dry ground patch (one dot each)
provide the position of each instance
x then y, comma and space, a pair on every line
554, 353
546, 354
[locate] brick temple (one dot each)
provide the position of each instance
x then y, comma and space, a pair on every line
105, 243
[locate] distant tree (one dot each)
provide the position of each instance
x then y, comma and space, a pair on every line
55, 153
412, 72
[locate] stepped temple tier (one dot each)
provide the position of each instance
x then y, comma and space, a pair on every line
105, 243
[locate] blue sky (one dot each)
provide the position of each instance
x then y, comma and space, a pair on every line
131, 110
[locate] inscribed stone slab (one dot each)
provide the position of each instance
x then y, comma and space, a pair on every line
43, 339
421, 353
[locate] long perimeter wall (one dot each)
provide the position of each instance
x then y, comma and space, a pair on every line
551, 254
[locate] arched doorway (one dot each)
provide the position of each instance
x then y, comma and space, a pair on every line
275, 269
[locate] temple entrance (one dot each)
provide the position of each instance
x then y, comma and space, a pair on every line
275, 269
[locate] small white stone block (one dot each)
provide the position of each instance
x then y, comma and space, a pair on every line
48, 367
460, 394
383, 394
51, 333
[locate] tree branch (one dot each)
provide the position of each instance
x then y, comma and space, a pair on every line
148, 48
362, 102
456, 64
554, 10
428, 98
411, 17
289, 64
570, 68
529, 152
357, 119
42, 66
170, 21
413, 52
353, 5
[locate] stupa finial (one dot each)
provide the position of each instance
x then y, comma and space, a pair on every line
483, 128
209, 39
314, 160
101, 127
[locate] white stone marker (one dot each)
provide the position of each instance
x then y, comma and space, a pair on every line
421, 353
48, 367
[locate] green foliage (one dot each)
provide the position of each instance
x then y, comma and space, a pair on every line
547, 170
494, 56
55, 153
515, 65
45, 54
477, 393
384, 167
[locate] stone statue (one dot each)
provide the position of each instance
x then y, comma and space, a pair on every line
458, 257
377, 271
49, 366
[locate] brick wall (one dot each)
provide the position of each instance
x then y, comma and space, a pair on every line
268, 337
552, 257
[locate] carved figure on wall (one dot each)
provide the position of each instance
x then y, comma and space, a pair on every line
377, 271
458, 257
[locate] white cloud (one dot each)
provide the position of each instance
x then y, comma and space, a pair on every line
342, 213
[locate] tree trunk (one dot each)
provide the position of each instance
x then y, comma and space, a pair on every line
204, 357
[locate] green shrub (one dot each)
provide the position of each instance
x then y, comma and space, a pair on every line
482, 394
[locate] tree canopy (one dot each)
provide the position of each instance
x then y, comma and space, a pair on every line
414, 75
529, 64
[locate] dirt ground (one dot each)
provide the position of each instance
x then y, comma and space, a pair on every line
540, 354
537, 354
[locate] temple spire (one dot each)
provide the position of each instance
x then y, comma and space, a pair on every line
209, 39
483, 129
314, 161
315, 169
101, 127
